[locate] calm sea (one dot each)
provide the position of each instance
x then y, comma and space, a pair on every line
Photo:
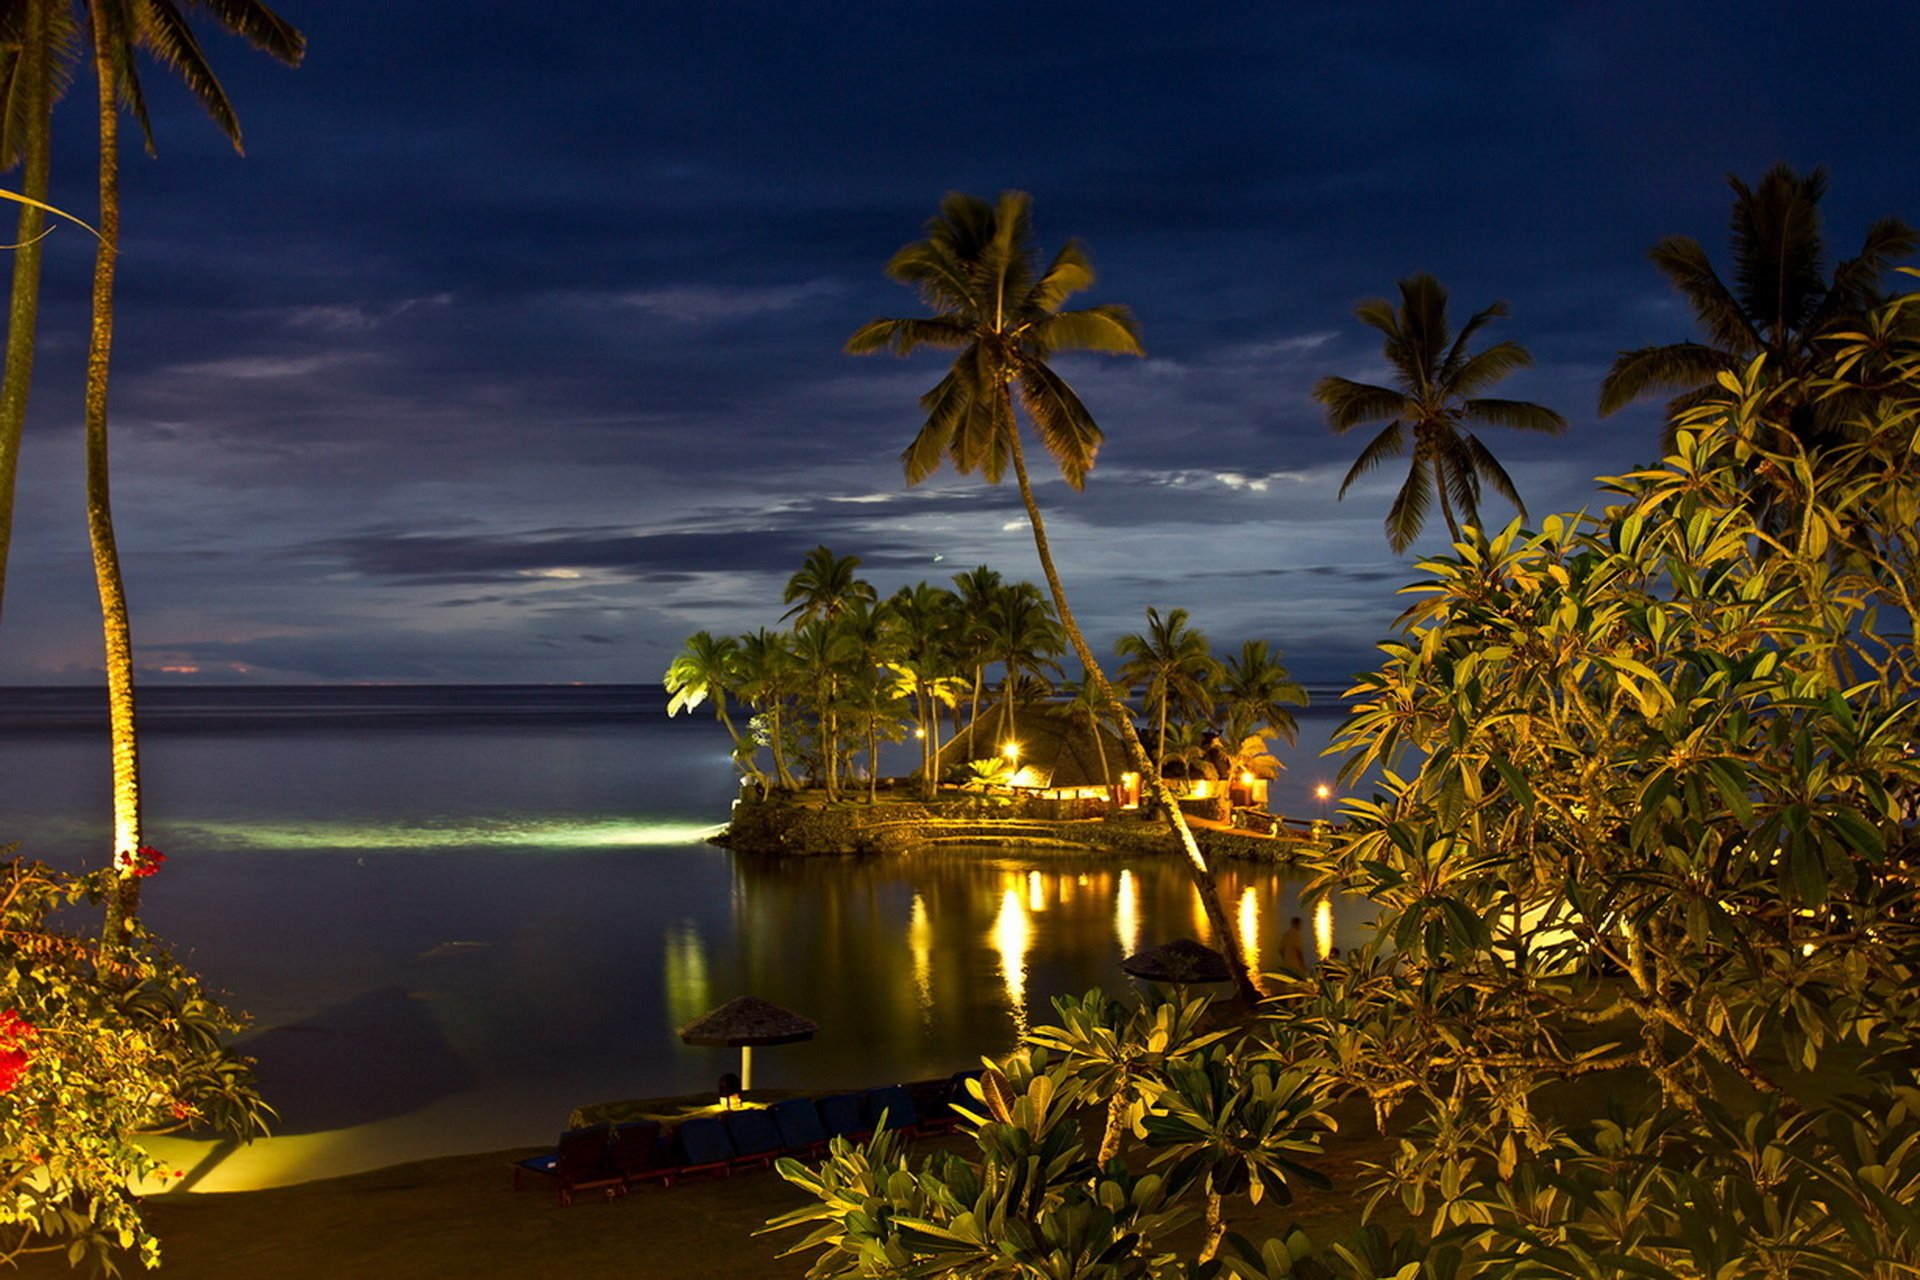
456, 913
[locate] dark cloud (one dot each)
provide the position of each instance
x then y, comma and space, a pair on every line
496, 296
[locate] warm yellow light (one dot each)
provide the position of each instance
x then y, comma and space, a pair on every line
1323, 791
1010, 750
919, 733
1246, 777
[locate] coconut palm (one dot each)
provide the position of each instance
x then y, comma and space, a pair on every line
923, 617
1087, 701
868, 638
707, 670
765, 672
36, 59
824, 586
1257, 694
1434, 400
1780, 303
1026, 642
993, 304
1175, 664
978, 588
118, 28
820, 654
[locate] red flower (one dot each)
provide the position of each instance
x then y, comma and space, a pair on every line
144, 861
13, 1027
13, 1065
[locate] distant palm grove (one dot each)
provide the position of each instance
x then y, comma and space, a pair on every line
943, 663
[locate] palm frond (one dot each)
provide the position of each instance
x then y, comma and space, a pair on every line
1390, 443
1351, 403
1856, 282
1108, 327
259, 26
1715, 309
1457, 354
1065, 427
1488, 367
931, 270
1778, 251
946, 405
163, 32
1070, 272
1679, 366
1424, 324
1520, 415
118, 30
1453, 467
905, 336
1408, 514
1488, 468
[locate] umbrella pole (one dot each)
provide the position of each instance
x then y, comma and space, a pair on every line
746, 1067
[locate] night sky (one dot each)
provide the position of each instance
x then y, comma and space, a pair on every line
511, 351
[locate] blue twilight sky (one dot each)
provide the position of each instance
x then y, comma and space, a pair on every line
511, 350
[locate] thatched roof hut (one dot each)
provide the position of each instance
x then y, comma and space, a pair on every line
1058, 745
749, 1020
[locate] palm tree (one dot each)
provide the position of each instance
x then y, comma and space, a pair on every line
1257, 692
1086, 701
923, 616
765, 671
978, 269
37, 37
868, 638
825, 585
706, 670
820, 653
1435, 397
1025, 641
118, 28
978, 588
1781, 301
1176, 665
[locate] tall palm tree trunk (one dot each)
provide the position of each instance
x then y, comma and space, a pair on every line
23, 313
1100, 745
979, 677
1202, 874
123, 905
780, 769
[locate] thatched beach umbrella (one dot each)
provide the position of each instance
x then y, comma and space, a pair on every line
1183, 960
744, 1023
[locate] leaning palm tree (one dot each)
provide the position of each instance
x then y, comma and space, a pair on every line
118, 28
1781, 302
1434, 400
1176, 664
993, 304
707, 669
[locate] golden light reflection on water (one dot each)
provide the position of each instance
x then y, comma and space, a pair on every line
1201, 929
920, 941
1126, 913
684, 974
1323, 928
1250, 928
1036, 892
1012, 934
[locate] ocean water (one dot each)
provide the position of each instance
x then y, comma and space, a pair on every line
455, 914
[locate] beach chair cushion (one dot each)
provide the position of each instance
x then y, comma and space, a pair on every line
755, 1135
701, 1144
840, 1116
638, 1154
799, 1123
578, 1163
890, 1104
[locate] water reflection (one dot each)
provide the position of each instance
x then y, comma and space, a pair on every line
1126, 913
1012, 933
1323, 930
920, 941
1248, 927
683, 972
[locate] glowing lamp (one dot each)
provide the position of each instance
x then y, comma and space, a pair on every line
1011, 750
1323, 791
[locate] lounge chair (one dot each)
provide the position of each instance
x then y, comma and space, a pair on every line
935, 1099
701, 1145
890, 1106
637, 1153
800, 1130
755, 1135
840, 1116
578, 1163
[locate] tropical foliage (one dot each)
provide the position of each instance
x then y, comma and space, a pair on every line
99, 1046
1781, 303
1436, 397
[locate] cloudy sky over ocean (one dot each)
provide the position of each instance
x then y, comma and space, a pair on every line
511, 350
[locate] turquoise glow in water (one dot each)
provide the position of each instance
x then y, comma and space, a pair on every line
454, 924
